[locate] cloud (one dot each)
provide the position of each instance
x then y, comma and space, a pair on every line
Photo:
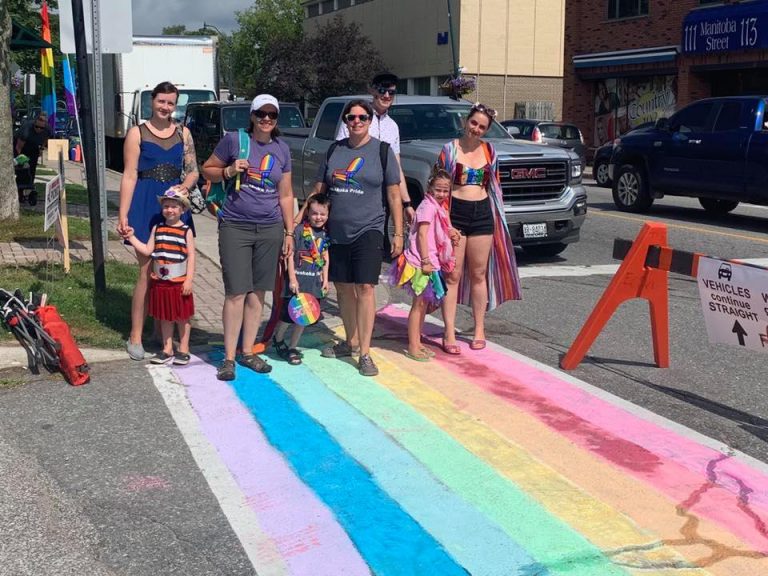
150, 16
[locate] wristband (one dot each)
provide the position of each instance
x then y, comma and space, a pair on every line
407, 204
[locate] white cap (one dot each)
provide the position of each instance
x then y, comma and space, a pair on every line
263, 100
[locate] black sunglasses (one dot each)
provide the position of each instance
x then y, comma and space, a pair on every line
362, 117
391, 91
261, 114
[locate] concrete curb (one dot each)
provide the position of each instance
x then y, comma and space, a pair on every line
12, 355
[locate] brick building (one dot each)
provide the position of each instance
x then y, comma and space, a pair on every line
514, 49
632, 61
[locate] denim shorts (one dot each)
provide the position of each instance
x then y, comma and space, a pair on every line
472, 217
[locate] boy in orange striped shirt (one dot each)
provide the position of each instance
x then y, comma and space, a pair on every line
171, 246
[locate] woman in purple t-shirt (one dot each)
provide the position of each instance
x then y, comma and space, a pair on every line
255, 227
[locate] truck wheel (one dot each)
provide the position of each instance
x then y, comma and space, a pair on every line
545, 250
718, 206
601, 174
630, 190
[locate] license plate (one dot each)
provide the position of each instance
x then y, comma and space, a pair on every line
534, 230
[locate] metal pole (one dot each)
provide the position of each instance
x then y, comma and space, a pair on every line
89, 146
98, 117
453, 40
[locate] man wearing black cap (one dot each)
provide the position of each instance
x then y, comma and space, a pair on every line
383, 89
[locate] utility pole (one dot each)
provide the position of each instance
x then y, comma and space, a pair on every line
453, 41
89, 147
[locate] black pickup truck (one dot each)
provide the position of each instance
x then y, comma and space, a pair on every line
715, 150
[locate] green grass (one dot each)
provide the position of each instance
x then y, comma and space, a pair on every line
101, 320
76, 195
10, 382
29, 226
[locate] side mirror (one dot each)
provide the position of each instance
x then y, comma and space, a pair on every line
513, 130
663, 124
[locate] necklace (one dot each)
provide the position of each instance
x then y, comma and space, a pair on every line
316, 247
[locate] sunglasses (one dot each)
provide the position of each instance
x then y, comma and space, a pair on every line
484, 109
390, 91
41, 126
261, 114
352, 117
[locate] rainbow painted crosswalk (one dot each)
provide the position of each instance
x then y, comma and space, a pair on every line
485, 464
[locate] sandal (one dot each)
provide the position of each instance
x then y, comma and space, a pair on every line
226, 371
452, 349
420, 357
427, 352
281, 348
294, 357
255, 363
477, 345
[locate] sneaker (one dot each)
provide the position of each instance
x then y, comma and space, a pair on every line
181, 359
135, 351
366, 366
162, 358
340, 350
226, 371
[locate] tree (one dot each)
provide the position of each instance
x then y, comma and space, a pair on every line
264, 23
343, 60
175, 30
9, 200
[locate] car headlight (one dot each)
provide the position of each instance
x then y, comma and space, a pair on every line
576, 171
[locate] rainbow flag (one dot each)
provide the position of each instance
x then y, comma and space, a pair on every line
69, 87
47, 90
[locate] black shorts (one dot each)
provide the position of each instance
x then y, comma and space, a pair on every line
472, 217
358, 262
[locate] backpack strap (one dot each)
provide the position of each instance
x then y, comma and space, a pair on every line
245, 144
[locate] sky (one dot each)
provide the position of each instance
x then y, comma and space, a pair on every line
150, 16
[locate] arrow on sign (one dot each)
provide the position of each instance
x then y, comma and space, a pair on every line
739, 331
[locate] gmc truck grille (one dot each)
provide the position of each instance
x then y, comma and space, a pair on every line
532, 181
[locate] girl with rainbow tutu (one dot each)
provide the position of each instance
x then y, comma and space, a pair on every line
420, 268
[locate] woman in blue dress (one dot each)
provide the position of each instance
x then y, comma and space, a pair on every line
155, 156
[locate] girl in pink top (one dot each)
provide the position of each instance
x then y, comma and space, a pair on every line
420, 268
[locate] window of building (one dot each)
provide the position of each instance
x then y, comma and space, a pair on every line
402, 86
341, 4
627, 8
729, 117
422, 86
313, 10
327, 6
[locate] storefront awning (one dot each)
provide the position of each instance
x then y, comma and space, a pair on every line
742, 26
622, 57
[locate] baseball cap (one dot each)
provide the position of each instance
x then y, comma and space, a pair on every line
172, 194
263, 100
384, 79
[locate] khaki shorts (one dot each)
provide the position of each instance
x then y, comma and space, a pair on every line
249, 254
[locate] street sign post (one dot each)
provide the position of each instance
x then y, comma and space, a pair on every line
734, 300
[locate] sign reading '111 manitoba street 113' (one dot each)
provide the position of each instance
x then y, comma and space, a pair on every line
734, 299
742, 26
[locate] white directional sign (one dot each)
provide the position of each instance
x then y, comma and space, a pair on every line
734, 299
52, 198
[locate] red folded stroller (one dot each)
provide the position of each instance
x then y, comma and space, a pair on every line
44, 336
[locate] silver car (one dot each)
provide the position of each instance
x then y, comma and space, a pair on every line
547, 132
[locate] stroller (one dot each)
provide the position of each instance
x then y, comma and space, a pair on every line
44, 336
24, 181
19, 318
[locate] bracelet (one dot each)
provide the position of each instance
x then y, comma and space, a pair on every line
426, 260
288, 233
407, 204
399, 235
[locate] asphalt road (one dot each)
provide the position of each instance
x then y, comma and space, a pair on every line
718, 390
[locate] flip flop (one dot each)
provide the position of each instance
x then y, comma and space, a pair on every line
416, 357
477, 344
427, 352
452, 349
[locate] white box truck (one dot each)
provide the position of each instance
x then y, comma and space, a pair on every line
187, 61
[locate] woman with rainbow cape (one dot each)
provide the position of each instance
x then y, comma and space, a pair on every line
486, 271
